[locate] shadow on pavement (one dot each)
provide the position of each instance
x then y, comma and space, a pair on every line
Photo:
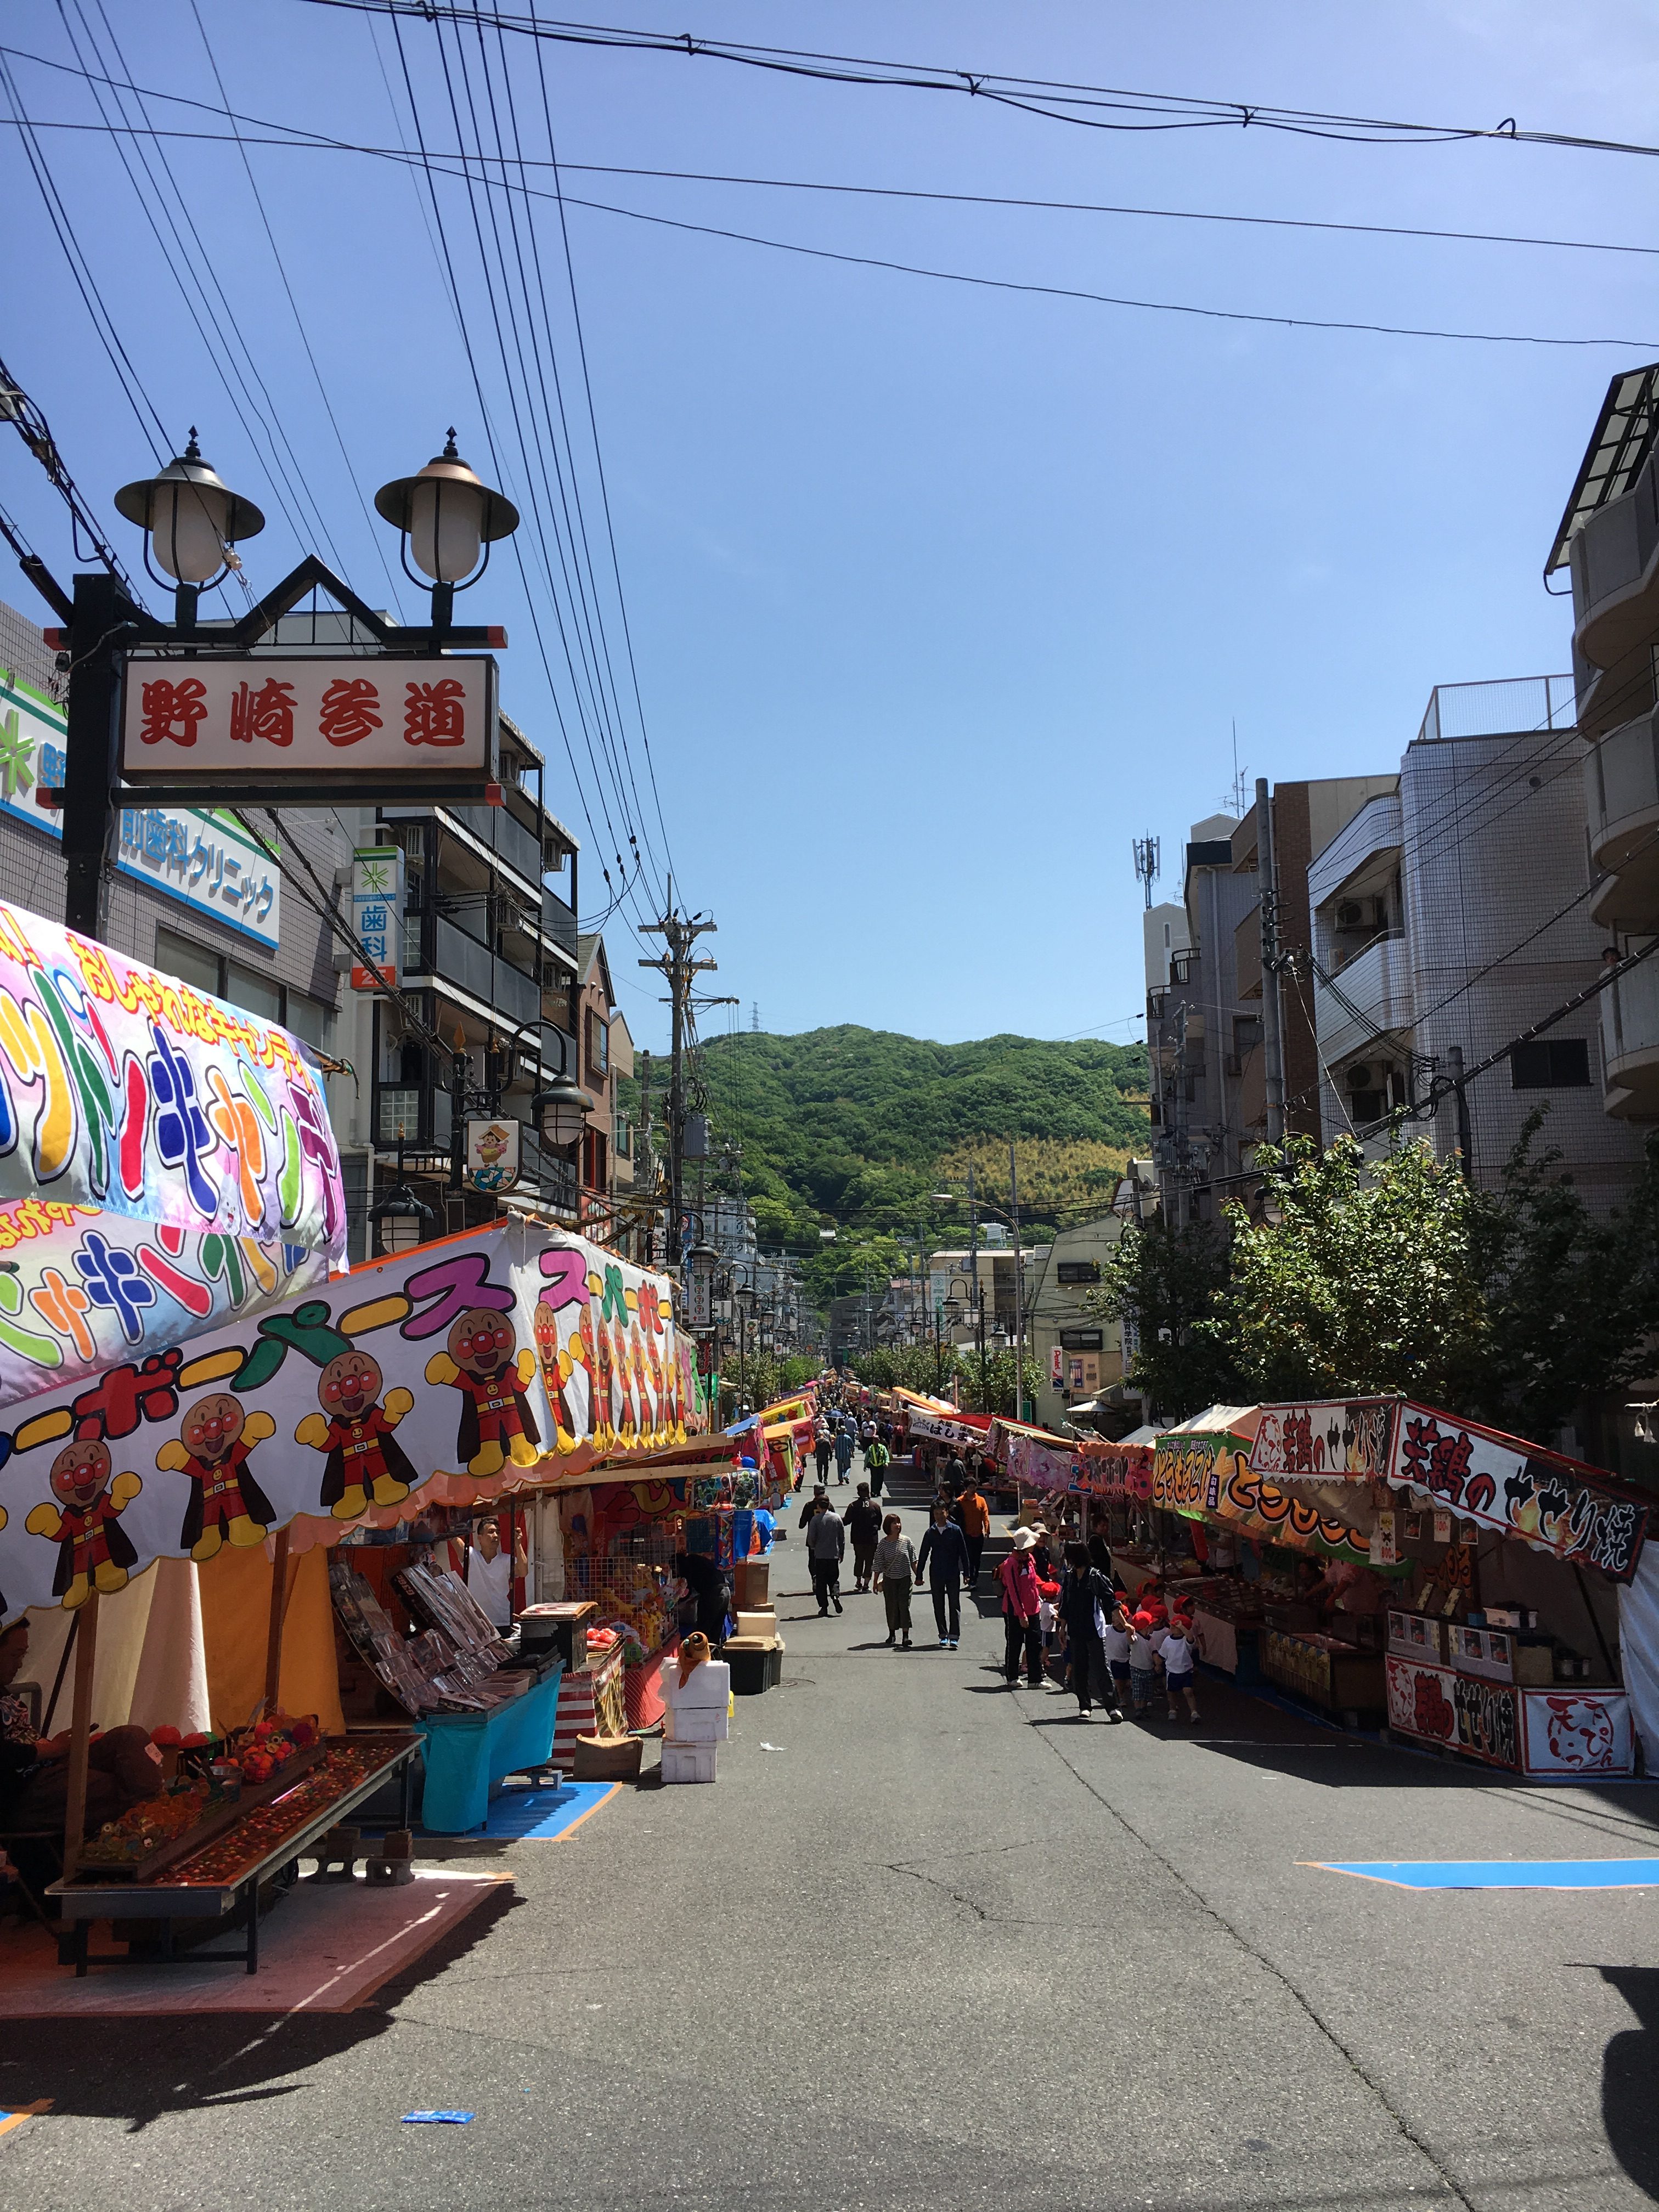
1630, 2070
182, 2063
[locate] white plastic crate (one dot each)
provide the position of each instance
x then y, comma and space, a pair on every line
696, 1724
690, 1762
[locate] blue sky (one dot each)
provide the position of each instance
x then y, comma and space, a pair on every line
938, 595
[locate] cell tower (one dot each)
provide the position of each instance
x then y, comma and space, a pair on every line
754, 1016
1147, 868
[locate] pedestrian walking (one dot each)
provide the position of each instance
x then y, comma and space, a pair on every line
1114, 1644
876, 1460
1088, 1604
708, 1584
1179, 1659
944, 1555
974, 1518
843, 1455
864, 1528
823, 1444
820, 1496
956, 1473
895, 1576
1022, 1599
826, 1546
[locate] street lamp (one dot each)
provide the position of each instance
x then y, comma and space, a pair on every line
401, 1219
190, 519
444, 514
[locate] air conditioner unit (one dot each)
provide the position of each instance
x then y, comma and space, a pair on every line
1358, 1076
1350, 915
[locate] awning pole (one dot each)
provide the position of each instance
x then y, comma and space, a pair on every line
86, 1654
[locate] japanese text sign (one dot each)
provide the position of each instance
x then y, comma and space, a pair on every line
1498, 1482
123, 1089
205, 863
435, 1377
337, 717
377, 915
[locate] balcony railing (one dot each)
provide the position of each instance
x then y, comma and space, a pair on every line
1376, 988
1611, 555
505, 836
1630, 1041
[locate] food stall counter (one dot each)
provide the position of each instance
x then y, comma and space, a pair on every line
224, 1876
1330, 1673
467, 1753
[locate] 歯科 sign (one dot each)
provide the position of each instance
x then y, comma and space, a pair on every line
377, 909
338, 718
201, 859
492, 1153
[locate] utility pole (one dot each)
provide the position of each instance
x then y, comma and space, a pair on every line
1273, 1034
972, 1277
1019, 1291
680, 933
645, 1164
1461, 1093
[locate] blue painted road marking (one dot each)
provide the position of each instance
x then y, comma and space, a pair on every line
1499, 1874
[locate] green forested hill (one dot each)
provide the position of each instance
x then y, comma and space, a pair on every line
856, 1127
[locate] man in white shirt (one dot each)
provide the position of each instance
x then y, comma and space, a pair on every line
489, 1572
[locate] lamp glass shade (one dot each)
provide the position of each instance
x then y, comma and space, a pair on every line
446, 528
400, 1231
188, 528
561, 1114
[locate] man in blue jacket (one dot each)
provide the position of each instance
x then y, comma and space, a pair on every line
944, 1559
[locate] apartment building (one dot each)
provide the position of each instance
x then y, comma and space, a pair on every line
1448, 918
1078, 1354
1198, 1026
1609, 540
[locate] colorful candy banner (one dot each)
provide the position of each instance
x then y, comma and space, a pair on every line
1336, 1436
123, 1089
436, 1376
1208, 1477
82, 1292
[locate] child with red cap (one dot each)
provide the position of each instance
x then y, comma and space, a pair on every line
1143, 1659
1180, 1666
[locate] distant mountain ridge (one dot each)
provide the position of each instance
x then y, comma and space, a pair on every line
858, 1125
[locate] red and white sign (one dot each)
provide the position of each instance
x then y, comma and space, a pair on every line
1420, 1700
1576, 1732
204, 720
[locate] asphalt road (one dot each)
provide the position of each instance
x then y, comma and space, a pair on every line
930, 1943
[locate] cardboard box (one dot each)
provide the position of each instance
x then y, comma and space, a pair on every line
690, 1762
763, 1622
751, 1580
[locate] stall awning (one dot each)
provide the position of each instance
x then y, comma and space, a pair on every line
1575, 1512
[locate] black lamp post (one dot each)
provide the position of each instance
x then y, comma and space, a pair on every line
192, 521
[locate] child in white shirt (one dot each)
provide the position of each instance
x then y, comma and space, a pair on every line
1143, 1659
1180, 1663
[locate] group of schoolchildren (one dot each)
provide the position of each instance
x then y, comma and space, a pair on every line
1080, 1624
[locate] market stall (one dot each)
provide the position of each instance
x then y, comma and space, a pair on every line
1507, 1562
255, 1423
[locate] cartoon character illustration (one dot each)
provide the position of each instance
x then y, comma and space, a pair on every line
1580, 1734
660, 1426
636, 1370
622, 1368
496, 1422
366, 1463
605, 1415
218, 1440
94, 1551
556, 1368
492, 1143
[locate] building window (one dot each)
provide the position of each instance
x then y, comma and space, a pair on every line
1551, 1064
1078, 1270
250, 988
593, 1161
599, 1047
624, 1140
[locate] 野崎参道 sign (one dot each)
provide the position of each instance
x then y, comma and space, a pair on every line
203, 720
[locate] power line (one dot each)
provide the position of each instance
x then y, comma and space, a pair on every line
1094, 106
1101, 298
301, 138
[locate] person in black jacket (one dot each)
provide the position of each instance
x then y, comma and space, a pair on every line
1084, 1591
702, 1576
864, 1528
944, 1559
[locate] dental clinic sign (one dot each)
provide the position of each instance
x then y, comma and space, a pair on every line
204, 860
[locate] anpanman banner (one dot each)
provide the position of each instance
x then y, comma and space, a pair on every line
440, 1375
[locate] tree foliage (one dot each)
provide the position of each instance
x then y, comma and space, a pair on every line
1520, 1305
1165, 1283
